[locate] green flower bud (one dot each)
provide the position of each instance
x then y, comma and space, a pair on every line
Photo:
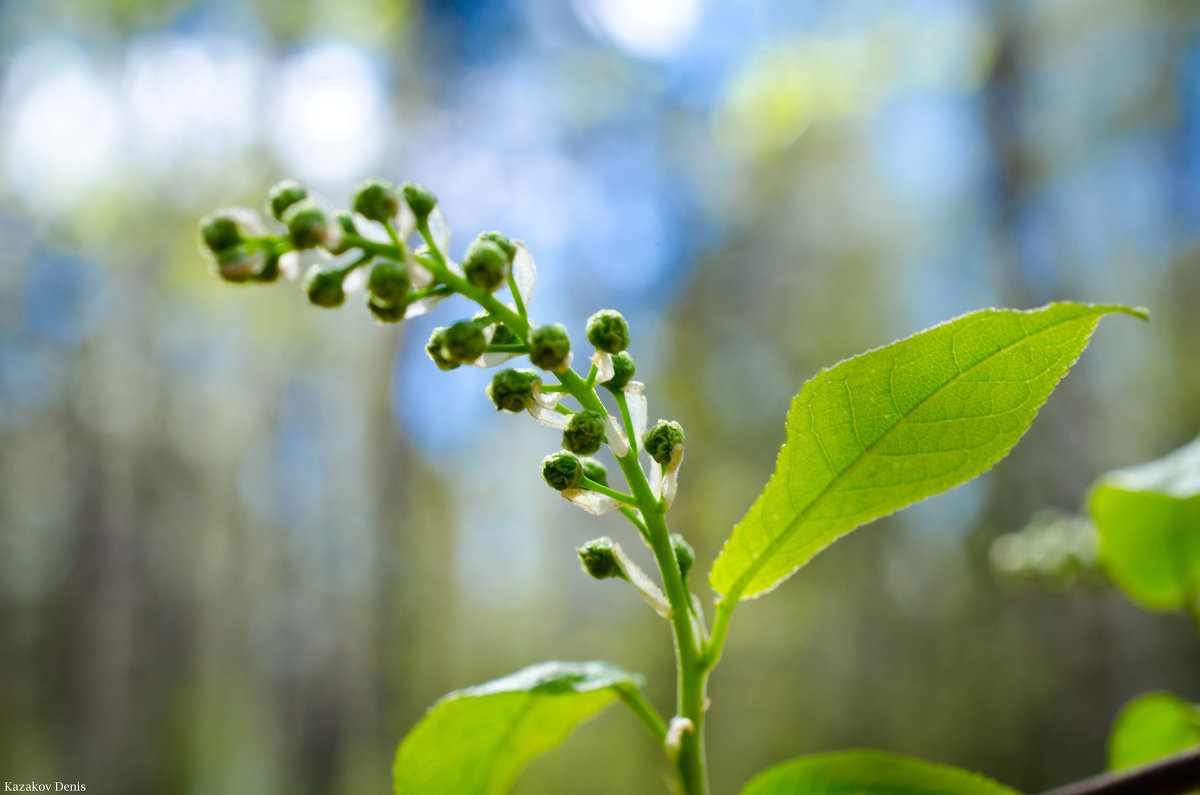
307, 224
506, 245
661, 440
684, 554
389, 282
608, 331
283, 195
377, 199
598, 559
436, 348
345, 221
584, 432
512, 390
562, 471
385, 312
240, 264
623, 369
270, 269
464, 341
419, 198
593, 470
503, 335
485, 265
549, 346
324, 288
228, 228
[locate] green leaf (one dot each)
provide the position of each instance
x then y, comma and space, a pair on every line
1150, 727
1149, 522
476, 741
869, 773
897, 424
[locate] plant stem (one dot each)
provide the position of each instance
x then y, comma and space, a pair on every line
516, 294
644, 711
592, 485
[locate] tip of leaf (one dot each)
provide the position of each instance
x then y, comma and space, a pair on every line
1137, 311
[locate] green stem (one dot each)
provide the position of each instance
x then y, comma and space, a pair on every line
425, 292
626, 420
373, 246
358, 263
644, 711
592, 485
391, 230
516, 294
633, 517
513, 347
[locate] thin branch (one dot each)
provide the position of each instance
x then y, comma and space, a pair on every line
1172, 775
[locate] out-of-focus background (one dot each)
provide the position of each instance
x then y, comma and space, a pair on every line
245, 543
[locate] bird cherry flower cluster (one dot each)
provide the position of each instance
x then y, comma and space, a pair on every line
367, 248
864, 438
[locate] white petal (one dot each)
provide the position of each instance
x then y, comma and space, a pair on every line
355, 281
639, 412
333, 235
289, 265
406, 222
250, 221
372, 230
548, 417
493, 359
524, 272
248, 262
645, 586
604, 366
593, 502
423, 305
618, 442
418, 273
670, 478
673, 742
440, 231
546, 399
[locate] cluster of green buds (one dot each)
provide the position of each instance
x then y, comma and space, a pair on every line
370, 247
364, 247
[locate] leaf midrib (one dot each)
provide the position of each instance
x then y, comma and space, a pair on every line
740, 584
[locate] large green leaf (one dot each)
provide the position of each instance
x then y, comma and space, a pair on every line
1149, 522
1150, 727
476, 741
897, 424
869, 773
